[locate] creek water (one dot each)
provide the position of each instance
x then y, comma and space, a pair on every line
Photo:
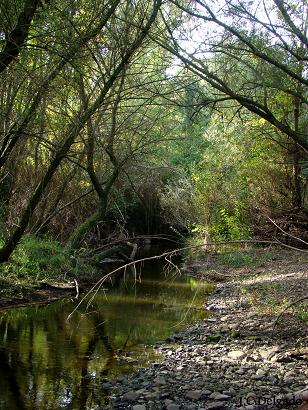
49, 362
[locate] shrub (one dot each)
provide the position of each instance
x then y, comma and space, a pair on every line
37, 259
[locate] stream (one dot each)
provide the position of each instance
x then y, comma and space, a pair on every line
49, 362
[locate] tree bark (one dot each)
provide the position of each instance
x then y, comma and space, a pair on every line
18, 36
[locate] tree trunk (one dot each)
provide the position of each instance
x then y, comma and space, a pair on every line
297, 167
6, 184
80, 232
78, 123
297, 183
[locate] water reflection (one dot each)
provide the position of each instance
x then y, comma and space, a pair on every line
47, 362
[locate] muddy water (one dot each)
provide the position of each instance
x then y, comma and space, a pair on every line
48, 362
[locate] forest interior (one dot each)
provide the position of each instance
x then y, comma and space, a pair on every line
143, 132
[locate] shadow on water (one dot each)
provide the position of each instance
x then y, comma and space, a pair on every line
47, 362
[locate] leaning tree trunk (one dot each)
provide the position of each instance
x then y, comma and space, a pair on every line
77, 125
88, 225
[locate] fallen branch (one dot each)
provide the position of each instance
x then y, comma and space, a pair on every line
286, 233
133, 238
96, 287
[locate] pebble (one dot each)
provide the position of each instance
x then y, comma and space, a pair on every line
219, 396
216, 405
131, 396
236, 354
205, 372
194, 394
173, 407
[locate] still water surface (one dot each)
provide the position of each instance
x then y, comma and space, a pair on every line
48, 362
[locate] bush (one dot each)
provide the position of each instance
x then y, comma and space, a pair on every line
229, 226
37, 259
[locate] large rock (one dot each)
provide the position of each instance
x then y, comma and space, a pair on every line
268, 353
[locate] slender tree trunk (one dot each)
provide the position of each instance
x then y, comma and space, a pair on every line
17, 131
102, 192
77, 125
297, 167
6, 184
80, 232
297, 183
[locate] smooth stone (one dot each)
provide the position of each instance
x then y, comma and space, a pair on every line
194, 394
267, 354
215, 405
131, 396
139, 407
257, 376
236, 354
173, 406
160, 381
219, 396
152, 396
107, 386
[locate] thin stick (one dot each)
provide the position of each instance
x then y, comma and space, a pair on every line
288, 307
286, 233
77, 289
95, 288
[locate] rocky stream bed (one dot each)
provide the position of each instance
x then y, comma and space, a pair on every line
236, 358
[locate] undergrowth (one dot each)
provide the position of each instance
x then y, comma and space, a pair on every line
244, 257
41, 259
228, 255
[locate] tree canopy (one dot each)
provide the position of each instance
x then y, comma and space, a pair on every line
136, 116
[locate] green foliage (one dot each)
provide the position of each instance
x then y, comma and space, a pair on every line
302, 313
210, 197
213, 338
218, 162
240, 258
38, 259
229, 227
237, 259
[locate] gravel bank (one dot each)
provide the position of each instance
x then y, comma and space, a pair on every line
234, 359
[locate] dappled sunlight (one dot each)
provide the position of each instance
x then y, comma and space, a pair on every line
275, 278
